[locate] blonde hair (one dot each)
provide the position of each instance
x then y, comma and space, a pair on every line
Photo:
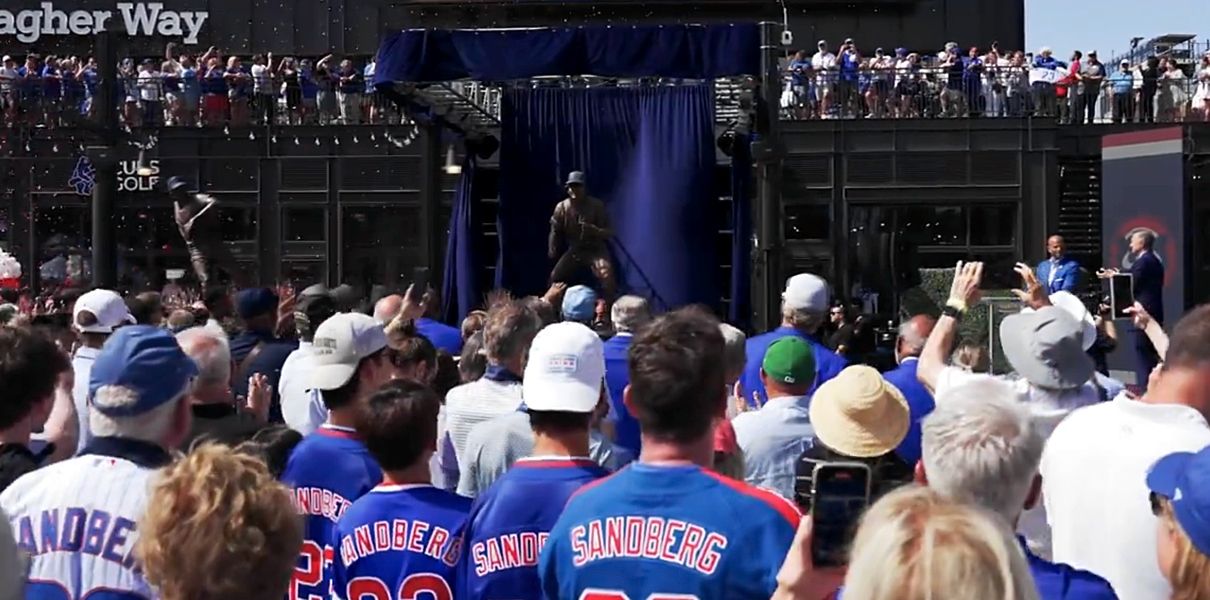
1190, 576
219, 526
972, 357
915, 544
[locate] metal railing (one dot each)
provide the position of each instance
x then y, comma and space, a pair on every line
923, 93
989, 93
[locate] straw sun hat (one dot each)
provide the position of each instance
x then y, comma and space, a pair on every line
859, 414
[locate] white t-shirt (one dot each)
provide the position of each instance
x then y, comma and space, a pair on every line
824, 61
150, 86
7, 76
262, 80
1093, 480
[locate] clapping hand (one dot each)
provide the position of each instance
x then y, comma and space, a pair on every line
1139, 315
964, 290
260, 394
1033, 296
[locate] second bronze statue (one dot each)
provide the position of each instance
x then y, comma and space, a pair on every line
198, 221
579, 229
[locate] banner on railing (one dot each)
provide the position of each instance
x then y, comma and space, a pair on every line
1051, 76
140, 18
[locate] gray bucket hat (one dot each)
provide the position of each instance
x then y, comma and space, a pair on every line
1046, 347
575, 177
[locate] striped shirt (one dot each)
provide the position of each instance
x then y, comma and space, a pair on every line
467, 405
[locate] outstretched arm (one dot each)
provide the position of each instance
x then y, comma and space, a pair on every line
964, 293
555, 240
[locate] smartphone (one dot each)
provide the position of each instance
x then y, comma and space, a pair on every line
1121, 294
840, 493
420, 283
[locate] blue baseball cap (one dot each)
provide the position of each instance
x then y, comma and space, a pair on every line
579, 303
145, 359
254, 302
1184, 479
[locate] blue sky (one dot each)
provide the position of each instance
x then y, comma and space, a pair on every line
1108, 25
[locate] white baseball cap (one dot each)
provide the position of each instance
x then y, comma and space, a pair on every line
565, 370
806, 292
107, 306
340, 344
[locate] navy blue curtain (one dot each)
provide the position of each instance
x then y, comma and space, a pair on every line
740, 313
648, 153
459, 286
685, 51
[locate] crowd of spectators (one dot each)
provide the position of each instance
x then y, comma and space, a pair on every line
991, 82
181, 89
539, 449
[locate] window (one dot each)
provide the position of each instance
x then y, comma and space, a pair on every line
379, 244
308, 224
62, 237
993, 224
238, 222
808, 222
304, 273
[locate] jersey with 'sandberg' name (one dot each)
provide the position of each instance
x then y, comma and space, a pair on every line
509, 524
326, 473
668, 531
76, 520
399, 541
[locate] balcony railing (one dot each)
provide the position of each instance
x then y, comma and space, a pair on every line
924, 93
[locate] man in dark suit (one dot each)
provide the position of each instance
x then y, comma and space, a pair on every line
1147, 272
628, 313
912, 335
1058, 273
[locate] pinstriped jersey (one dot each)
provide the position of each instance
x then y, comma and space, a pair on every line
77, 522
326, 472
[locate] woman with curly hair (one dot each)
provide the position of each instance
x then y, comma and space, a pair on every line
219, 526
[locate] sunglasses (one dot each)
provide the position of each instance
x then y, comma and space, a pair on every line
1157, 503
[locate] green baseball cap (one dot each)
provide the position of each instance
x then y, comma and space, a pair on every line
790, 360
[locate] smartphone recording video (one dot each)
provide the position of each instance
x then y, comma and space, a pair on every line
840, 494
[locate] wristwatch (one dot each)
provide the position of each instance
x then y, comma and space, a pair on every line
954, 310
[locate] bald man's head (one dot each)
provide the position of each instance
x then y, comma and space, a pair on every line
387, 308
1055, 246
912, 335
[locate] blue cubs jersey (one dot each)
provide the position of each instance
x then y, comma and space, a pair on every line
676, 531
326, 472
509, 523
399, 541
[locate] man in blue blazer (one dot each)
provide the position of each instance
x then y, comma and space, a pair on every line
1058, 273
912, 335
1147, 272
628, 314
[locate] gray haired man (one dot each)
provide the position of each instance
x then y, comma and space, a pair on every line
629, 313
982, 446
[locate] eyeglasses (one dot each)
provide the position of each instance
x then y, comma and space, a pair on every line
1157, 503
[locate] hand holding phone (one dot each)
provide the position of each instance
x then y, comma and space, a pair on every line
840, 493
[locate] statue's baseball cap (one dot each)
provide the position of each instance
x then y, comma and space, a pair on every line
790, 360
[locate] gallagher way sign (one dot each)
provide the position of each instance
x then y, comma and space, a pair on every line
140, 18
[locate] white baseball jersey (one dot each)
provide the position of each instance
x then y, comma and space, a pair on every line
76, 522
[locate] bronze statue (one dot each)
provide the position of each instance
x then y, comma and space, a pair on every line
198, 221
579, 229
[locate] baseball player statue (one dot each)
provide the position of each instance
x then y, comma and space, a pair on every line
198, 221
76, 519
579, 229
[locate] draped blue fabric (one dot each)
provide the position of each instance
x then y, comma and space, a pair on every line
684, 51
459, 286
647, 153
740, 312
